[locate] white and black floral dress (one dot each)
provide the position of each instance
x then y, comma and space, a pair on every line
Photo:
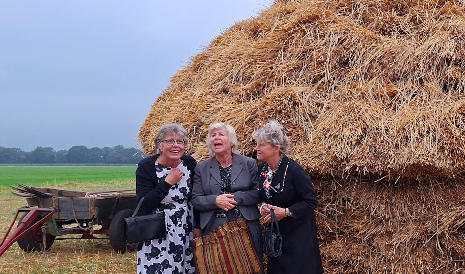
173, 253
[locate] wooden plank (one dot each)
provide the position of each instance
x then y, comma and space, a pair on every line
81, 193
72, 208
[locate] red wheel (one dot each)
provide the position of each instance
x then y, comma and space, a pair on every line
33, 240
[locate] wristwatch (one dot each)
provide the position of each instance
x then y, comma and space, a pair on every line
287, 212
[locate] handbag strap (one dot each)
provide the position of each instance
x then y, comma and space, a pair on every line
138, 207
274, 221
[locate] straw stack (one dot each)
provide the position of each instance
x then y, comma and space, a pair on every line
372, 94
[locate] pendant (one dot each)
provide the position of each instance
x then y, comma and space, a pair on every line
278, 186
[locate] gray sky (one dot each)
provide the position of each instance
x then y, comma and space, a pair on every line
87, 72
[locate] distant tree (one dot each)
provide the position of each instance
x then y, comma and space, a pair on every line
118, 149
42, 155
60, 156
12, 156
75, 155
133, 155
121, 155
96, 155
78, 155
105, 152
114, 156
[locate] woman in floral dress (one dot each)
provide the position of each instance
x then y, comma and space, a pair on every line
165, 180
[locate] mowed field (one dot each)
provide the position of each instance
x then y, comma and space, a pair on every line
68, 255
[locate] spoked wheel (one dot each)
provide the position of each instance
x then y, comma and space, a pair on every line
117, 233
33, 240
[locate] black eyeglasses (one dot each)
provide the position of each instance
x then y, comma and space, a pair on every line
171, 142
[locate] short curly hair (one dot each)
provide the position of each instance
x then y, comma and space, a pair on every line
273, 133
170, 128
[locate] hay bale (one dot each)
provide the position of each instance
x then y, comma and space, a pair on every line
372, 94
368, 227
362, 86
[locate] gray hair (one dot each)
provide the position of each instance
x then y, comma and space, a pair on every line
273, 133
231, 135
170, 128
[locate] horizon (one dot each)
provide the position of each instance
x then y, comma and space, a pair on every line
56, 150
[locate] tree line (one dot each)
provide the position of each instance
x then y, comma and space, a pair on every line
75, 155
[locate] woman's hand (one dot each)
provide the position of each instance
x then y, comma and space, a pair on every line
174, 177
265, 209
225, 201
278, 211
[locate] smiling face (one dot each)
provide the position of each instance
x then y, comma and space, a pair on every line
172, 152
219, 141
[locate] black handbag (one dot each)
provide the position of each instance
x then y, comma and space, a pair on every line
145, 227
272, 240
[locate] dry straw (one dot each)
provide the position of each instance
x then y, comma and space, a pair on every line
372, 94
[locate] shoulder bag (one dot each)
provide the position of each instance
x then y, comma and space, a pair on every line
145, 227
272, 240
228, 249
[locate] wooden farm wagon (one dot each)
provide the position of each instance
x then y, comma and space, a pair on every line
56, 212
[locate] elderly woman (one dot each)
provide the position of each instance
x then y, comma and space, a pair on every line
226, 184
287, 189
165, 180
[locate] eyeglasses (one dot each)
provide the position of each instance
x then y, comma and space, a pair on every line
171, 142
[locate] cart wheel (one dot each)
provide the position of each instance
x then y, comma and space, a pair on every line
33, 241
117, 233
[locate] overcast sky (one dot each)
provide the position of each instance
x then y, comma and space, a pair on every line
87, 72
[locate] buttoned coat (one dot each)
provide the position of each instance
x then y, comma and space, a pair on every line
244, 186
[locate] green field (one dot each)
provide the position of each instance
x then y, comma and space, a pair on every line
58, 175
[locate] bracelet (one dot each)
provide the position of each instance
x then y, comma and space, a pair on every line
263, 204
288, 212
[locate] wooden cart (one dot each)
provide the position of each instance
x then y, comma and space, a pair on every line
56, 212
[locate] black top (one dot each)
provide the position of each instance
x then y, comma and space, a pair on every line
225, 173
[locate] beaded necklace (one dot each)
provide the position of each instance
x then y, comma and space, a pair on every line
269, 174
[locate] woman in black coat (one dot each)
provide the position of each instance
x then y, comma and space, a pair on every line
287, 189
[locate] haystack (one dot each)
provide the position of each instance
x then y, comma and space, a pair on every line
372, 94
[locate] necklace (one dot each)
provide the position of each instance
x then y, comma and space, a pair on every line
269, 174
224, 161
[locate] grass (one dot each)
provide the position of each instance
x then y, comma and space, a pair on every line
59, 175
65, 256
